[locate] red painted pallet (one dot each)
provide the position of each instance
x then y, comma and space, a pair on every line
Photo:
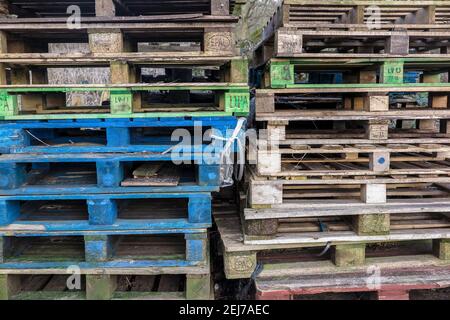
388, 279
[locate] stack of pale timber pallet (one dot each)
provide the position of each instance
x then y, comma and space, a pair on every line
347, 189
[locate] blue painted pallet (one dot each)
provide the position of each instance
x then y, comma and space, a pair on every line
152, 212
105, 173
107, 135
112, 250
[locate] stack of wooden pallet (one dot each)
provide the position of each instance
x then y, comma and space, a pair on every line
87, 185
352, 164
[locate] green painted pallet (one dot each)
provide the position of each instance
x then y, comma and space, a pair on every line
375, 87
282, 71
233, 99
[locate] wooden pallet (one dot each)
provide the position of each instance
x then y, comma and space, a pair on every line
99, 8
107, 173
318, 211
342, 227
38, 68
125, 135
281, 73
139, 284
180, 59
324, 142
106, 249
25, 102
328, 116
310, 12
300, 27
352, 110
280, 191
376, 167
241, 259
354, 101
395, 129
364, 209
305, 161
283, 117
207, 35
322, 211
294, 190
293, 42
160, 212
271, 173
400, 278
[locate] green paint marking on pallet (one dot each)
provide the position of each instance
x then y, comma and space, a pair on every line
235, 99
8, 104
281, 74
121, 102
392, 71
237, 102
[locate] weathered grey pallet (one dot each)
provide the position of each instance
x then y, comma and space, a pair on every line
288, 42
355, 133
309, 13
212, 35
283, 35
334, 227
180, 59
375, 168
299, 212
288, 145
23, 68
343, 115
241, 258
360, 101
100, 8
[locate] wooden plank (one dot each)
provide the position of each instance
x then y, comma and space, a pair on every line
220, 7
147, 170
105, 8
154, 175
